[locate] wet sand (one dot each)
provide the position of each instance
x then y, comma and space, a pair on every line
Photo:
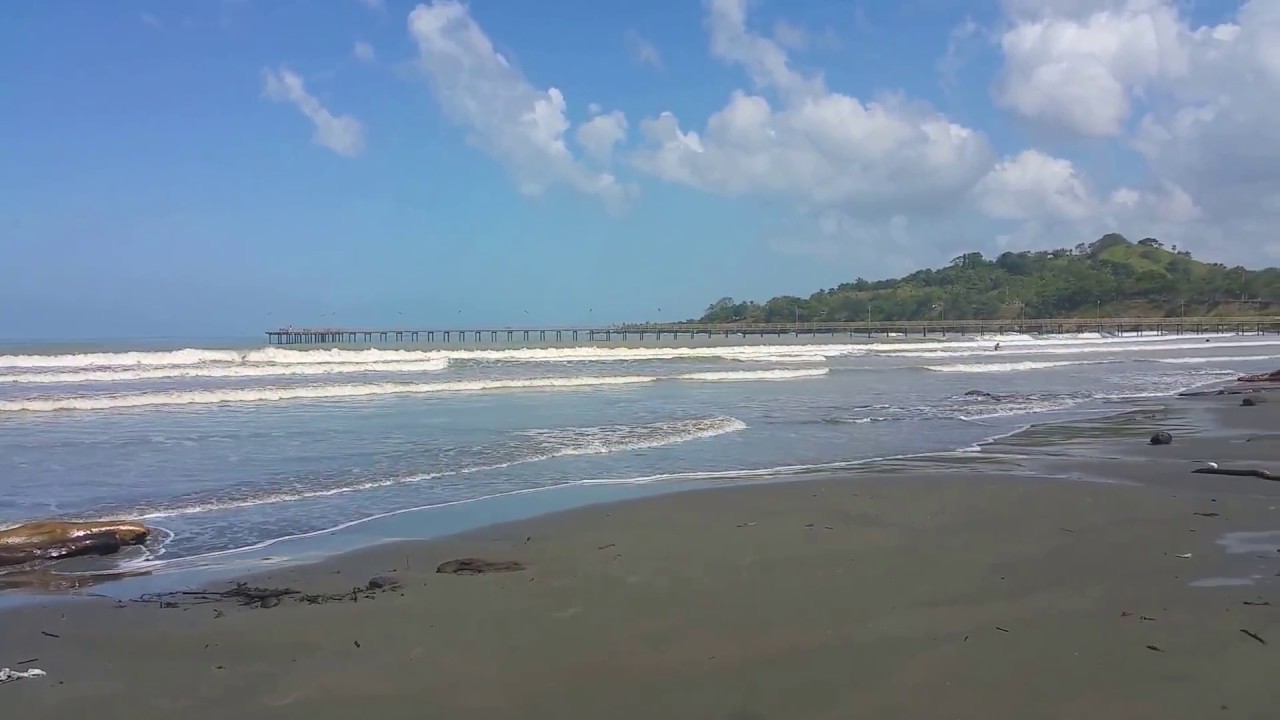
1037, 579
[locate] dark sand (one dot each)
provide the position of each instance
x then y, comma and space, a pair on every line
973, 586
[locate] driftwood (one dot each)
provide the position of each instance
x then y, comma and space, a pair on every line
98, 544
55, 540
477, 566
1237, 472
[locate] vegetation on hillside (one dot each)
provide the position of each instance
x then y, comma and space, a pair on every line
1111, 277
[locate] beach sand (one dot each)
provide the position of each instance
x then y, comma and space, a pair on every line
988, 585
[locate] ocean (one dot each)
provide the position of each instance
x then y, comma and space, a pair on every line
225, 447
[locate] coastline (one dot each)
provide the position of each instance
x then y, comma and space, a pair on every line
103, 577
990, 583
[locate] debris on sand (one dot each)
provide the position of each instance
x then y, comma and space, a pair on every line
478, 566
266, 598
7, 675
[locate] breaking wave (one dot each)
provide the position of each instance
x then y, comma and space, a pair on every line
322, 392
531, 446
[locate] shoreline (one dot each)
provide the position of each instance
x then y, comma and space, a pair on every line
993, 584
356, 536
102, 577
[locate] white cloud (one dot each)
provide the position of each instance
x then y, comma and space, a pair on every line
1197, 102
517, 124
792, 37
363, 52
1079, 74
951, 62
642, 51
815, 147
342, 134
1034, 185
601, 133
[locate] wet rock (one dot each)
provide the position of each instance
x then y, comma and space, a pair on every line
381, 582
1260, 377
478, 566
982, 394
1162, 438
1251, 402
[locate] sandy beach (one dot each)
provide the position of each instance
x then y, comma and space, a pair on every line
1072, 571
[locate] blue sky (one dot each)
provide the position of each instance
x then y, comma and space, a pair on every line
217, 167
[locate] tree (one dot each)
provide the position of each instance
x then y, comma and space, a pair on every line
1146, 278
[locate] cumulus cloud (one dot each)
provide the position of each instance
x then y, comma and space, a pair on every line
1077, 65
889, 176
814, 146
601, 133
1198, 103
342, 134
363, 52
519, 125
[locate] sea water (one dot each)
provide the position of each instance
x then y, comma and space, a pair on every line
223, 446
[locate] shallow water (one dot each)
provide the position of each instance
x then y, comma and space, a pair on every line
226, 448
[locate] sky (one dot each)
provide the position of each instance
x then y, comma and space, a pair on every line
221, 167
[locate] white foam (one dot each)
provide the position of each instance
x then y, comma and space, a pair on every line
1005, 367
1127, 345
270, 394
289, 356
740, 375
551, 444
1216, 359
224, 371
348, 390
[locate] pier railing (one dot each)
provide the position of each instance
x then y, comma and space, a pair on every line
888, 328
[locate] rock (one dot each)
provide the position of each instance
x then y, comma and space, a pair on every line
269, 602
982, 394
381, 582
1161, 438
53, 540
1261, 377
1251, 402
477, 566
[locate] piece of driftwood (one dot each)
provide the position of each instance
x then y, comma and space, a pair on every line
1236, 472
55, 540
478, 566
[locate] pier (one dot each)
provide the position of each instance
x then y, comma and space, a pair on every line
881, 328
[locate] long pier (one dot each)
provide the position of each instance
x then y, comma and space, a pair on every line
886, 328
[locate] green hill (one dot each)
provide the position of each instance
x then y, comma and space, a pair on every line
1111, 277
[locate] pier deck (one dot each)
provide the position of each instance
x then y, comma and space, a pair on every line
676, 331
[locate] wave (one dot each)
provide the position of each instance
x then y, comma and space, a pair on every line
764, 352
1216, 359
199, 356
548, 444
308, 392
225, 371
282, 356
731, 375
322, 392
1058, 349
1008, 367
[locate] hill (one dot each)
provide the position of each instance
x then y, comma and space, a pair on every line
1111, 277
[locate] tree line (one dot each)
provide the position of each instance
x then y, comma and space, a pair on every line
1111, 277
